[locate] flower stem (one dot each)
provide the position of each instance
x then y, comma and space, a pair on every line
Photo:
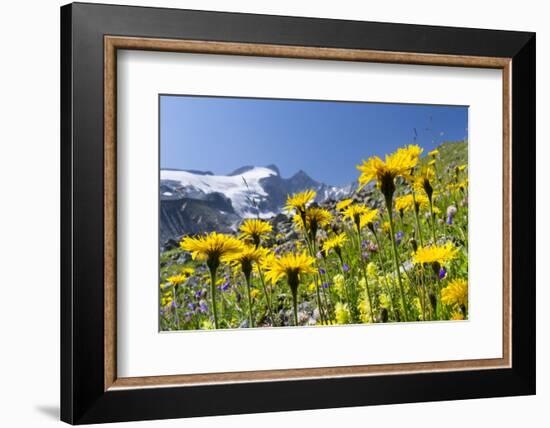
213, 296
267, 295
396, 257
344, 274
176, 317
365, 276
433, 220
312, 252
383, 269
295, 305
250, 317
418, 230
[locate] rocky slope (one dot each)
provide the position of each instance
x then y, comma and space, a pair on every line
195, 201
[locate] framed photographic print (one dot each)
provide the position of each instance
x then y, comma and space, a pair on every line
256, 207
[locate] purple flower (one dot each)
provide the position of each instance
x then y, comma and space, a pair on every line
325, 284
198, 294
442, 273
203, 307
365, 255
373, 248
399, 237
225, 285
191, 306
364, 244
174, 304
449, 219
277, 250
345, 267
322, 271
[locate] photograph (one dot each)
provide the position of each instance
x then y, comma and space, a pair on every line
289, 212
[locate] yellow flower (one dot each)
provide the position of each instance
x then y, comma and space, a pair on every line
335, 243
414, 151
386, 227
211, 247
432, 162
343, 204
290, 265
368, 218
177, 279
457, 315
372, 270
342, 313
245, 258
423, 181
364, 310
255, 230
300, 201
385, 301
433, 153
361, 215
417, 304
456, 293
435, 253
462, 168
254, 293
315, 218
166, 299
207, 325
397, 164
339, 283
407, 202
187, 271
266, 259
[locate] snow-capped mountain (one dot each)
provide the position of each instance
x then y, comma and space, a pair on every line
196, 201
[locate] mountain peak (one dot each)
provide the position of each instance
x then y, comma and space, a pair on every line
301, 174
274, 168
241, 170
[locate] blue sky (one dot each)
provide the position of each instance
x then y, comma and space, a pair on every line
326, 139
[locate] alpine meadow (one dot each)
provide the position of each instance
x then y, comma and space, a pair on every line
379, 235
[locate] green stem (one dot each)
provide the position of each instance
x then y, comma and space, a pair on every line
433, 220
327, 306
267, 295
365, 276
330, 291
418, 230
176, 316
312, 252
426, 294
295, 305
396, 258
346, 291
422, 298
250, 317
379, 253
213, 296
